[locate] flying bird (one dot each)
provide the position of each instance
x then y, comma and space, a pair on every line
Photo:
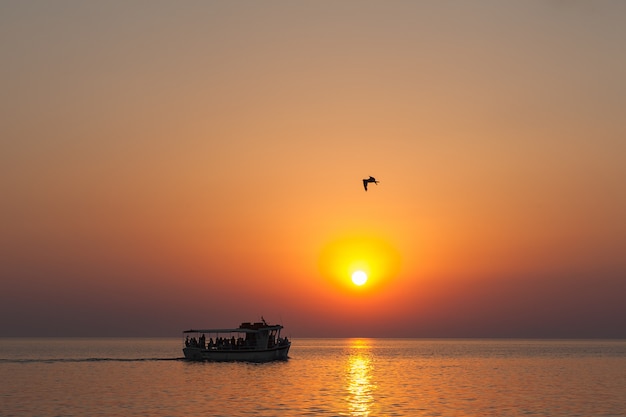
370, 179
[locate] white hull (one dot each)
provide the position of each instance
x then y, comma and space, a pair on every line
231, 355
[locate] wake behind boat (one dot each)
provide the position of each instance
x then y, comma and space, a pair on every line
250, 342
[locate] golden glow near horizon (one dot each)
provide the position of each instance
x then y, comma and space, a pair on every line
363, 258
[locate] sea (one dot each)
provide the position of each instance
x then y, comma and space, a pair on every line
322, 377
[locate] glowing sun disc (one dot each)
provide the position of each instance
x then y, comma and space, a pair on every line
359, 277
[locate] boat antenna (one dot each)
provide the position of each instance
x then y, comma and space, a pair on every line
282, 323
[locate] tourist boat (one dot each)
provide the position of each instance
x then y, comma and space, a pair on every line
250, 342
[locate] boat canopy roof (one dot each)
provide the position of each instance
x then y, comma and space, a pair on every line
235, 330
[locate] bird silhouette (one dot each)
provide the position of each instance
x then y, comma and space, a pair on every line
370, 179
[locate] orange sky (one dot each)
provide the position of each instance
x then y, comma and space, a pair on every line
170, 165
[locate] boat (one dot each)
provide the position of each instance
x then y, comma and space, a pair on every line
250, 342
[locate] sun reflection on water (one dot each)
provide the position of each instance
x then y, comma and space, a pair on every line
360, 386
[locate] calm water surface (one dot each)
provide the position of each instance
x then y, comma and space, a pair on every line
323, 377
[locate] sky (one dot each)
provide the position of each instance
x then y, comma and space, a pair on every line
170, 165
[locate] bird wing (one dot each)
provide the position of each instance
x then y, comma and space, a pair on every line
365, 184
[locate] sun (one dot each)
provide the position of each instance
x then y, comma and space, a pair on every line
359, 278
359, 264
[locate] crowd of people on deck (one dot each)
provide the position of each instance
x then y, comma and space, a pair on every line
224, 343
219, 343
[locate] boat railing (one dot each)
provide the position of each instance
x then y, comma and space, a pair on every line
230, 347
